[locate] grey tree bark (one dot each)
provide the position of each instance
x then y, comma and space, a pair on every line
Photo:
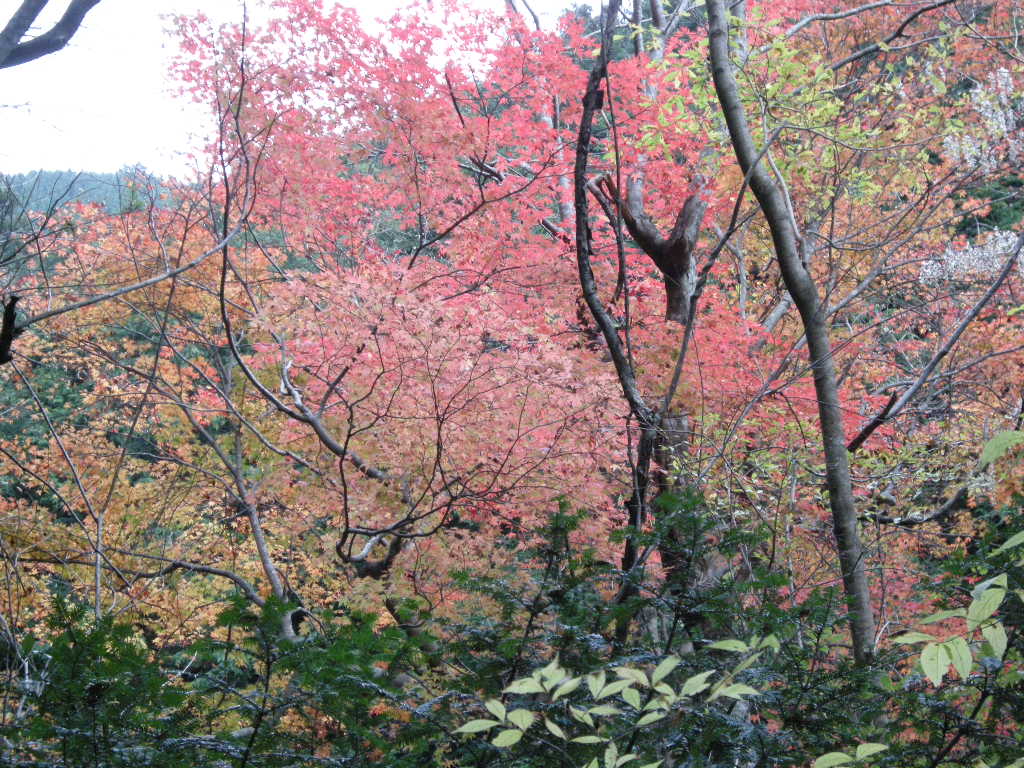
805, 296
14, 50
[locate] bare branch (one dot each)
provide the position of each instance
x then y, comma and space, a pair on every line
14, 52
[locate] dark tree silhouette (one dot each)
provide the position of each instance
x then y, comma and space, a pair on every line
15, 49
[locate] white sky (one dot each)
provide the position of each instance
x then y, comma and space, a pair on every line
102, 102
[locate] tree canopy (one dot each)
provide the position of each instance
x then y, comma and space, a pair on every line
644, 388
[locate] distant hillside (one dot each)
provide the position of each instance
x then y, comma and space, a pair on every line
116, 192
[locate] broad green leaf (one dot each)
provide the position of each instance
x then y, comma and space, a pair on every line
612, 688
588, 740
634, 675
747, 662
523, 718
1014, 541
663, 669
729, 645
565, 688
582, 716
551, 668
999, 446
981, 586
913, 637
696, 684
650, 717
983, 606
595, 683
934, 662
526, 685
604, 710
832, 758
960, 654
476, 726
956, 613
995, 634
611, 755
554, 729
632, 697
656, 764
734, 691
869, 748
771, 641
507, 738
496, 708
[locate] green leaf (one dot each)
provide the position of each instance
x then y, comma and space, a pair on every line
729, 645
595, 683
960, 654
611, 755
696, 684
582, 716
934, 662
632, 697
567, 687
983, 606
507, 738
870, 748
956, 613
650, 717
995, 634
656, 764
555, 729
522, 718
981, 586
737, 690
588, 740
476, 726
552, 673
999, 446
604, 710
913, 637
612, 688
831, 759
634, 675
526, 685
663, 669
1014, 541
496, 708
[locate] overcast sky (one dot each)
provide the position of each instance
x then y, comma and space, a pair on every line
102, 103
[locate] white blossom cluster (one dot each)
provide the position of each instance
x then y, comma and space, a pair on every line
1001, 120
976, 259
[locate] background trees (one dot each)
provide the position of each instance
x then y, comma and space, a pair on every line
334, 404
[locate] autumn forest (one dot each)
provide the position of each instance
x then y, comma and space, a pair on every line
645, 389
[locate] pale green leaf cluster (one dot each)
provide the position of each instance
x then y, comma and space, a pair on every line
937, 657
985, 635
862, 753
625, 696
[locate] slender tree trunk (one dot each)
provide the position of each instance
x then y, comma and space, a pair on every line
805, 295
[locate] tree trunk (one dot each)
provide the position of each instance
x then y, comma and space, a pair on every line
805, 295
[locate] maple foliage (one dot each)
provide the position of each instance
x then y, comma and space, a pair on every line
357, 358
